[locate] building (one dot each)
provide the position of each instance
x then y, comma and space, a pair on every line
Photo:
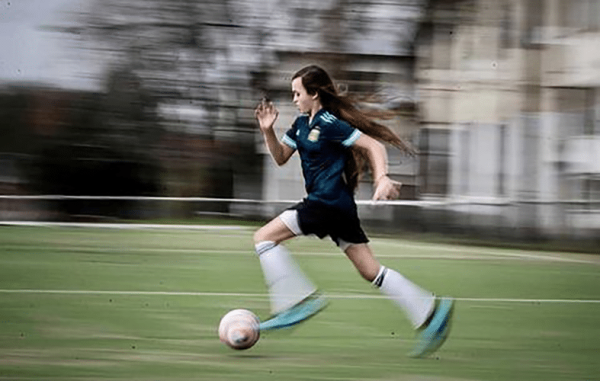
509, 92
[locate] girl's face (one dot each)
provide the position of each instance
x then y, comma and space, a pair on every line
303, 100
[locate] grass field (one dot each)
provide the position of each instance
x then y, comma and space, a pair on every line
108, 304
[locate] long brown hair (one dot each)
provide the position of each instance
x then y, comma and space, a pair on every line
316, 81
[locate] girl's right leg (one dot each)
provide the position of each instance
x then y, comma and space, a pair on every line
433, 321
417, 303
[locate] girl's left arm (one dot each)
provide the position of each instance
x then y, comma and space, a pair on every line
385, 188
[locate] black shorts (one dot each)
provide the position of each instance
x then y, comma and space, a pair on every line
323, 220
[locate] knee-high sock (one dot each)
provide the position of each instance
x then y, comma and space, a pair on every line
287, 284
416, 302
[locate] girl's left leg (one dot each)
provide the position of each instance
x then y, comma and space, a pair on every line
286, 282
417, 303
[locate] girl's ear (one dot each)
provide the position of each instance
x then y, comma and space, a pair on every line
315, 96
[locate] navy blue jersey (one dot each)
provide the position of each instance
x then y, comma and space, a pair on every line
323, 146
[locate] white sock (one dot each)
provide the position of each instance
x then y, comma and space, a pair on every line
287, 284
416, 302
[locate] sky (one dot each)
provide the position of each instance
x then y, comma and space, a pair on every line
30, 53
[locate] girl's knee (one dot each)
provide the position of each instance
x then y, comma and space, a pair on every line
275, 231
260, 235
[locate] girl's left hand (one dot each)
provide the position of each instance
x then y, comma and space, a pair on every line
387, 189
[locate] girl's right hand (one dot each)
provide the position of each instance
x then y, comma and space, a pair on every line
266, 114
387, 189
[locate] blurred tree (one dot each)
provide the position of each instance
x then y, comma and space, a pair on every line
13, 137
181, 52
164, 42
106, 146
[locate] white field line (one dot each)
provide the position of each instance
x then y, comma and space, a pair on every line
524, 254
451, 253
121, 226
473, 255
266, 296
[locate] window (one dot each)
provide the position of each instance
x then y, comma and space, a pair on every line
534, 20
506, 27
442, 47
580, 15
591, 109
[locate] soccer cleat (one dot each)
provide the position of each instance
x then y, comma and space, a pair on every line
433, 336
307, 308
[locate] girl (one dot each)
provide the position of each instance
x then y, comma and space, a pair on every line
334, 139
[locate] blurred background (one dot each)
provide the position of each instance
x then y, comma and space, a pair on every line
155, 98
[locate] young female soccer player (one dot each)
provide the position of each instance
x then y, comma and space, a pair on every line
334, 139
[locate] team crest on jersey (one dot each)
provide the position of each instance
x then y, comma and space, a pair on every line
313, 136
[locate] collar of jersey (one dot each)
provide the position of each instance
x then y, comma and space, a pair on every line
316, 118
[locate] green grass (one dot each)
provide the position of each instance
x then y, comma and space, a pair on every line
524, 329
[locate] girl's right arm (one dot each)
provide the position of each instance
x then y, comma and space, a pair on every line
267, 115
385, 188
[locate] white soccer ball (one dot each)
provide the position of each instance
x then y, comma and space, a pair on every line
239, 329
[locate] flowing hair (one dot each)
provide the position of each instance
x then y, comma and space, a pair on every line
316, 81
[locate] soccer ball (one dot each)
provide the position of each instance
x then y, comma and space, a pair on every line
239, 329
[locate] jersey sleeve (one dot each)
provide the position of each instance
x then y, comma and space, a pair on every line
289, 138
339, 131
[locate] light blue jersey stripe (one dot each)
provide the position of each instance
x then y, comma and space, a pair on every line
352, 138
328, 117
289, 142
